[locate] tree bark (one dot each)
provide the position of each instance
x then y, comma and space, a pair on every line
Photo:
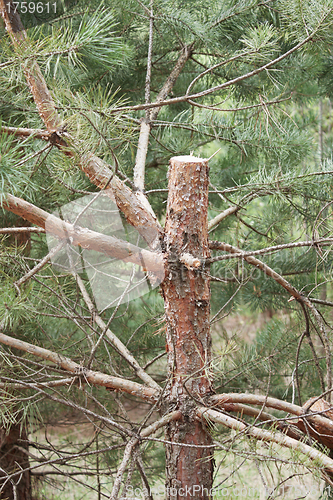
13, 457
186, 292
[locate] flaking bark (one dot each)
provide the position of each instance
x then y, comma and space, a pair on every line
187, 307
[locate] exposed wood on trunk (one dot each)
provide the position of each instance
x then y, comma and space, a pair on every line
187, 308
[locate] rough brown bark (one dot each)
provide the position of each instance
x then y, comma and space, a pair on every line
186, 291
13, 457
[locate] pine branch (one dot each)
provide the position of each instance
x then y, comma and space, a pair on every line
223, 215
96, 170
146, 124
315, 421
39, 266
10, 230
225, 85
115, 341
215, 245
268, 436
84, 237
27, 132
94, 378
43, 99
9, 385
295, 293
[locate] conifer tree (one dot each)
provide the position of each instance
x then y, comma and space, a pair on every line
169, 148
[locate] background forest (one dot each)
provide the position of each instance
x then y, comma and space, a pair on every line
95, 99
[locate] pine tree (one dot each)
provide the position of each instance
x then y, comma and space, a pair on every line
96, 100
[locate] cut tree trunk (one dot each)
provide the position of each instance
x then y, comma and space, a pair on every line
13, 458
186, 291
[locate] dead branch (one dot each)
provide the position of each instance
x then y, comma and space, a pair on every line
269, 436
216, 245
94, 378
115, 341
26, 132
133, 442
293, 292
84, 237
96, 170
315, 421
9, 230
40, 265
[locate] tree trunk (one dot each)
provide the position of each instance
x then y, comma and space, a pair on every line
12, 459
186, 291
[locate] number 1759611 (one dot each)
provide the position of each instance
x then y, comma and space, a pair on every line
31, 7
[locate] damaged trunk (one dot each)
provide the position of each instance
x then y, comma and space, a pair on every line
186, 291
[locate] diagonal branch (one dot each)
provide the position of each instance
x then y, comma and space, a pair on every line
98, 172
26, 132
39, 266
146, 124
316, 422
36, 82
290, 289
268, 436
216, 245
121, 348
223, 215
93, 377
10, 385
85, 238
227, 84
133, 442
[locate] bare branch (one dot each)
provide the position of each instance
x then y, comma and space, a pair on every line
146, 124
134, 442
40, 265
121, 348
27, 132
94, 378
215, 245
9, 230
223, 215
84, 237
16, 385
269, 436
96, 170
316, 422
294, 292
